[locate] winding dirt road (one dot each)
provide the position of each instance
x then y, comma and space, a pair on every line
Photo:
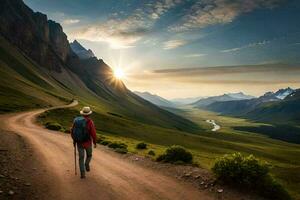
110, 178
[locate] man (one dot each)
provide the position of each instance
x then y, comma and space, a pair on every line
84, 134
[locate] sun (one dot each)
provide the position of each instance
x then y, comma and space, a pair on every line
119, 73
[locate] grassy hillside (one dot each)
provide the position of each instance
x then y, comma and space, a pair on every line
205, 145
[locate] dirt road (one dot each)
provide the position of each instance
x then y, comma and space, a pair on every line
110, 178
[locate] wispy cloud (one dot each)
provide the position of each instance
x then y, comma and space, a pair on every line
210, 12
172, 44
195, 55
70, 21
125, 32
251, 45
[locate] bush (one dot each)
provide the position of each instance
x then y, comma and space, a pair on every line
151, 153
174, 154
121, 150
105, 142
141, 145
100, 139
53, 126
115, 145
250, 173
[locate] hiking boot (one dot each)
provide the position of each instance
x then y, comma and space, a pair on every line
82, 176
87, 168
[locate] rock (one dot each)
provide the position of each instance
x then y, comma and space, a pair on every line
34, 168
136, 159
198, 176
202, 183
220, 190
1, 191
2, 176
11, 192
27, 184
187, 174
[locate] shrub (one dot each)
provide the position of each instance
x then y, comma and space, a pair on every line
141, 145
248, 172
115, 145
53, 126
121, 150
100, 139
151, 153
176, 153
105, 142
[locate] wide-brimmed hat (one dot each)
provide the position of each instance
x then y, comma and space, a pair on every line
86, 111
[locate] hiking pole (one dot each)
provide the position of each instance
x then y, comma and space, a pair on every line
75, 159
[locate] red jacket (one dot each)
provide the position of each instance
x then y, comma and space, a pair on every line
91, 130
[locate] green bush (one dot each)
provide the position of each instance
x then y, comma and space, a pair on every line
248, 172
141, 145
175, 154
115, 145
151, 153
100, 138
121, 150
53, 126
105, 142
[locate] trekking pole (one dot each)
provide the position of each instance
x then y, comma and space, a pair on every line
75, 159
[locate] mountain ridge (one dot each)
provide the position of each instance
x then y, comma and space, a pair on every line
43, 51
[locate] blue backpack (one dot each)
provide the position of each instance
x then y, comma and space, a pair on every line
80, 133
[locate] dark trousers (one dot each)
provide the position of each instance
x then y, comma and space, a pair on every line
84, 162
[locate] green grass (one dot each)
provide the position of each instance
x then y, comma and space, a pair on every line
206, 145
24, 86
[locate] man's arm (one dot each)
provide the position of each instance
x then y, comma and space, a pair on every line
93, 132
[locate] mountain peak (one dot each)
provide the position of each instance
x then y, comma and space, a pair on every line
80, 51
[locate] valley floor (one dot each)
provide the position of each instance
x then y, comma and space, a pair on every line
205, 145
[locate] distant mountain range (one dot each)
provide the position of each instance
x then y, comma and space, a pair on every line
282, 106
186, 101
155, 99
81, 52
222, 98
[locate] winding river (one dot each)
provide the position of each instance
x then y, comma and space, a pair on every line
216, 126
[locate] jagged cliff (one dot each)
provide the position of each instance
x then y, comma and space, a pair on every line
44, 42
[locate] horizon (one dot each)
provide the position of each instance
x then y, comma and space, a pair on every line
165, 50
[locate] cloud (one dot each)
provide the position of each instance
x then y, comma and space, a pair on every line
195, 55
126, 32
209, 12
248, 74
172, 44
70, 21
251, 45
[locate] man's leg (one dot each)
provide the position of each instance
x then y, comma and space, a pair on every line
81, 160
88, 158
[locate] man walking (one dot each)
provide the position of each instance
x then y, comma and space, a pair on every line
84, 134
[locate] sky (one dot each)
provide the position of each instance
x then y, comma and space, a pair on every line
188, 48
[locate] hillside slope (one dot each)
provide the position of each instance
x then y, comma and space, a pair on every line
39, 62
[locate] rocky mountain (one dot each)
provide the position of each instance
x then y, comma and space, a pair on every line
155, 99
222, 98
268, 107
80, 51
282, 93
37, 62
285, 111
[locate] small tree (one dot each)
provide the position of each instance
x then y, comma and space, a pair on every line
141, 145
176, 154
